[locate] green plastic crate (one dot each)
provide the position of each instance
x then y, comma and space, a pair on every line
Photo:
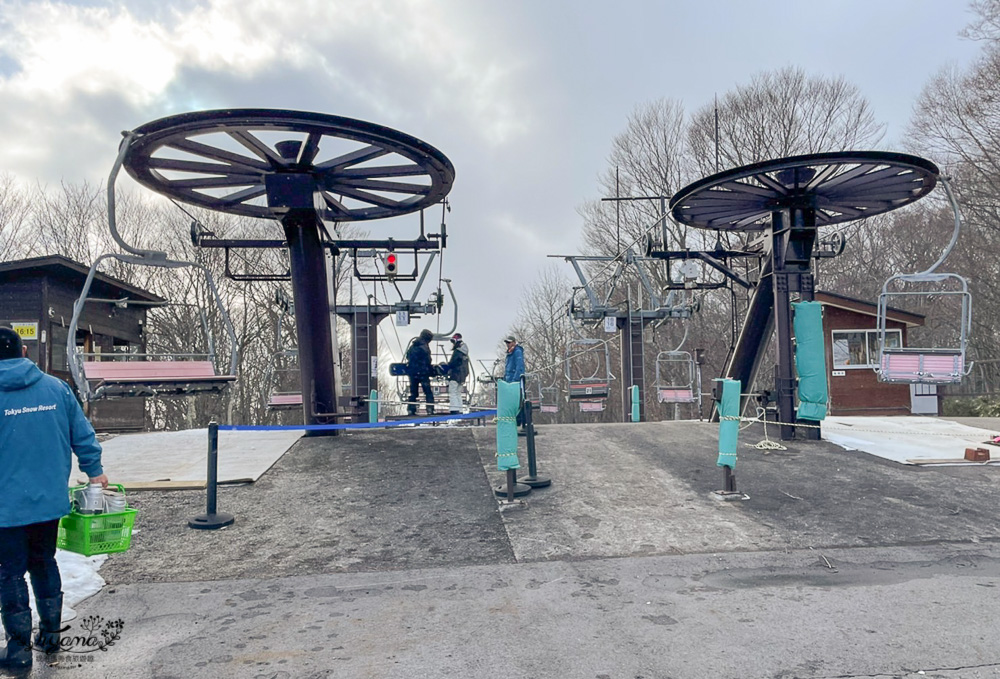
91, 534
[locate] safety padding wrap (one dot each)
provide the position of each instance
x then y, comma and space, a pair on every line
634, 389
373, 406
810, 360
508, 403
729, 423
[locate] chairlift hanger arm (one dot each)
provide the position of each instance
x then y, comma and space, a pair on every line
454, 325
423, 277
583, 281
613, 283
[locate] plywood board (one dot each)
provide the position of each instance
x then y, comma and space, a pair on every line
909, 440
181, 457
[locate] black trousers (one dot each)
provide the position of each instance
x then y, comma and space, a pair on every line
416, 384
29, 549
520, 420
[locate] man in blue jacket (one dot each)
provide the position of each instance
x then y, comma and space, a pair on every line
41, 423
513, 370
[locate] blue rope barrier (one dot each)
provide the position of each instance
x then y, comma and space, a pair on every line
357, 425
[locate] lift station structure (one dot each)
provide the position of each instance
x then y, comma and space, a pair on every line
788, 200
304, 170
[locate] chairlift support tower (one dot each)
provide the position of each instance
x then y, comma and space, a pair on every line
291, 166
789, 200
630, 320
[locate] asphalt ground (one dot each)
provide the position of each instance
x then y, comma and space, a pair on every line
384, 553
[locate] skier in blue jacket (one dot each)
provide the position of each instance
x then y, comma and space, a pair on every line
41, 423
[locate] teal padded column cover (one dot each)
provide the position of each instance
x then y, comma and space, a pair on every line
729, 423
635, 402
810, 360
373, 406
508, 403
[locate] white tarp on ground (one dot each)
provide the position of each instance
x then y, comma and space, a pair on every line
182, 456
910, 440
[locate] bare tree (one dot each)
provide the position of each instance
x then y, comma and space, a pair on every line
986, 25
956, 122
782, 113
17, 237
647, 162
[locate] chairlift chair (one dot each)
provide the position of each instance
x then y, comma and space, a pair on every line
927, 365
543, 397
142, 374
590, 388
439, 383
675, 377
548, 399
484, 389
283, 373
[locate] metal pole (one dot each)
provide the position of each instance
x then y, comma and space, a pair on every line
530, 438
213, 469
211, 519
728, 479
311, 306
532, 479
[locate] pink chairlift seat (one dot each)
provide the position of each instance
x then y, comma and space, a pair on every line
125, 378
675, 395
284, 401
943, 366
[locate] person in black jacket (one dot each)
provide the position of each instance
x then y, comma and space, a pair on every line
457, 371
419, 368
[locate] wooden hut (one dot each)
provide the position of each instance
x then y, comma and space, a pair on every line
36, 299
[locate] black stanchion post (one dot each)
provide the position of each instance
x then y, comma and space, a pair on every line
728, 479
211, 519
513, 488
532, 479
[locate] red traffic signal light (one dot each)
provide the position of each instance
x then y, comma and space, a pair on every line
390, 265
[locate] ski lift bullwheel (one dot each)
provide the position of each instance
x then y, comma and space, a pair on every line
221, 160
838, 186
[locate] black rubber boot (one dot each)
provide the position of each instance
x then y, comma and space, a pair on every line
49, 624
16, 618
17, 628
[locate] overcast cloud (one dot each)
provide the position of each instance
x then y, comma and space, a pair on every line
523, 96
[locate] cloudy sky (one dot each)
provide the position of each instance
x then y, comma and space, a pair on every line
524, 96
